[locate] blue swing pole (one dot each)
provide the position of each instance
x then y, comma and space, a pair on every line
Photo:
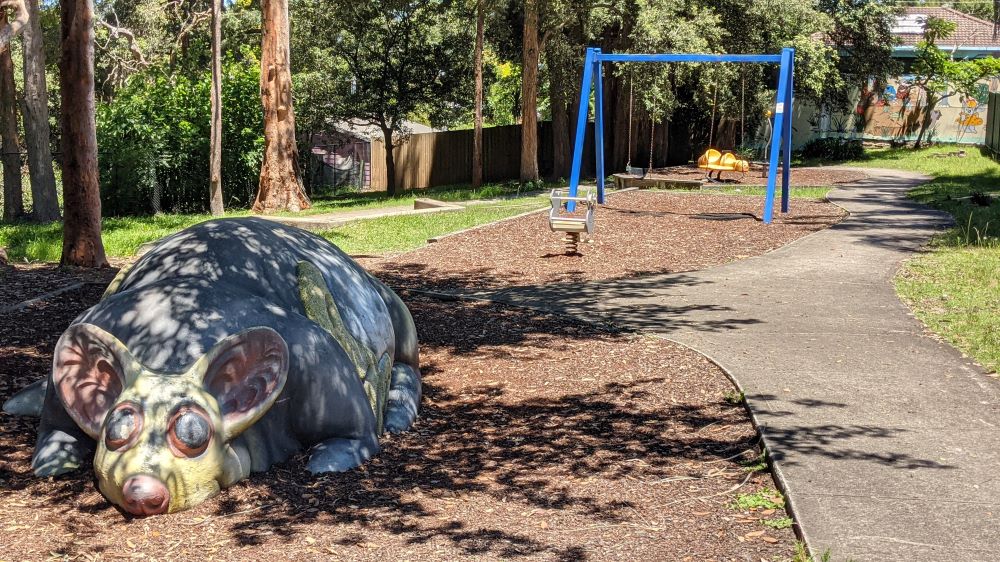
787, 135
599, 129
778, 134
581, 124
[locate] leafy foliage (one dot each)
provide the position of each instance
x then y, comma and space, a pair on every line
834, 149
939, 76
154, 141
379, 62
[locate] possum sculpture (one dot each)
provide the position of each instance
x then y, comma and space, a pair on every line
225, 349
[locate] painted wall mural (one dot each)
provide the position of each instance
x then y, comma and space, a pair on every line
895, 114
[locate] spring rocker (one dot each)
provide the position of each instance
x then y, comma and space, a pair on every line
715, 161
563, 220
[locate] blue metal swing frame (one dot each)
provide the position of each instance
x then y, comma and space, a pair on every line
781, 139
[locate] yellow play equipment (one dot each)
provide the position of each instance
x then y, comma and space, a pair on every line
715, 161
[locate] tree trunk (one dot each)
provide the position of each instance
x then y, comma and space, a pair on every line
477, 133
280, 182
390, 162
82, 243
35, 110
215, 149
561, 147
932, 102
13, 194
529, 94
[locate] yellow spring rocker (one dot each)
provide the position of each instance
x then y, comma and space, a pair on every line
715, 161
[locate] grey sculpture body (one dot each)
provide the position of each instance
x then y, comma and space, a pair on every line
177, 306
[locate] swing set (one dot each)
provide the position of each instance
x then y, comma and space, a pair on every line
780, 145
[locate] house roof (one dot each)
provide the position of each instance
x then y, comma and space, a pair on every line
970, 31
366, 131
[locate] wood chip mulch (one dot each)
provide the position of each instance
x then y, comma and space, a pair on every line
21, 282
805, 176
540, 438
637, 233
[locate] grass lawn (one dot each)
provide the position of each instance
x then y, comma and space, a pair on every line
955, 288
452, 193
123, 236
759, 190
406, 232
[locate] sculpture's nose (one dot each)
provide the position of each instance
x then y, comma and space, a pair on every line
145, 495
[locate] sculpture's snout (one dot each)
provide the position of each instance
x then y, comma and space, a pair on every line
145, 495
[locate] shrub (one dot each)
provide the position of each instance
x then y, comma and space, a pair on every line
154, 141
833, 149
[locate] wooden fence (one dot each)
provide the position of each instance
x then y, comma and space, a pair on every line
445, 158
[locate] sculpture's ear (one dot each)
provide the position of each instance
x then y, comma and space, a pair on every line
245, 373
89, 373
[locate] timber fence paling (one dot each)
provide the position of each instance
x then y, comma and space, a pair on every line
445, 157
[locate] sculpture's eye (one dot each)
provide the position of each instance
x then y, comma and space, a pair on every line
124, 425
189, 431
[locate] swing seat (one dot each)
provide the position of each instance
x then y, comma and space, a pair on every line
713, 160
561, 221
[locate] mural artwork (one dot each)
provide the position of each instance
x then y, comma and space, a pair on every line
896, 114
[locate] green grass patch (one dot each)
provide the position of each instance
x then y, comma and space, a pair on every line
406, 232
451, 193
954, 289
802, 554
956, 292
957, 185
779, 523
123, 235
734, 397
764, 499
803, 192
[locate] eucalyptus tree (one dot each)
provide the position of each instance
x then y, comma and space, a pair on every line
82, 244
939, 76
378, 63
280, 181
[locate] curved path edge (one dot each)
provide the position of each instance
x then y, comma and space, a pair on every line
883, 437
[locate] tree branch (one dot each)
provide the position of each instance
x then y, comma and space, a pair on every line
115, 32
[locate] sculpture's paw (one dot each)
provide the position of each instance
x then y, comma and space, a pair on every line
27, 402
57, 453
404, 399
341, 455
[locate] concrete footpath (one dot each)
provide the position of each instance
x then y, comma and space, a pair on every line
886, 440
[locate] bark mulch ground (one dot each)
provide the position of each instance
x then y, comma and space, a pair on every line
811, 177
20, 282
539, 438
637, 233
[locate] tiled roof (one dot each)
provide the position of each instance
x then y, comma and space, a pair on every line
970, 31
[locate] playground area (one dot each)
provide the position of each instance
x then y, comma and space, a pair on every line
539, 436
637, 233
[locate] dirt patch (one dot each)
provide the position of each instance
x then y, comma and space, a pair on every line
540, 438
637, 233
804, 177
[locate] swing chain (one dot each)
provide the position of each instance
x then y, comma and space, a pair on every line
631, 83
